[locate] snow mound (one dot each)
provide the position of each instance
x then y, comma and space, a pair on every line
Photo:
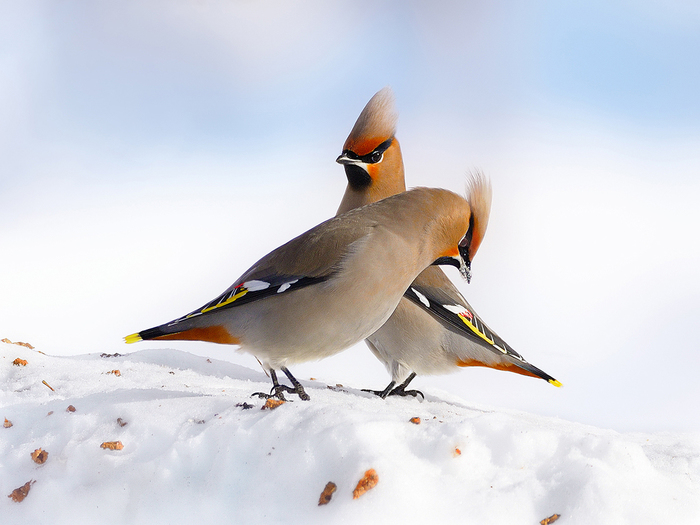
197, 446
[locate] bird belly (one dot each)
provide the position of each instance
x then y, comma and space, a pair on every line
412, 340
308, 324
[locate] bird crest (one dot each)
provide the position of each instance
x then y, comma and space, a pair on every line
479, 198
376, 123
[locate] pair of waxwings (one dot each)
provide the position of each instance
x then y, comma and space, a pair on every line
372, 272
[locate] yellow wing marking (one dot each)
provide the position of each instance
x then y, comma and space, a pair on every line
133, 338
475, 329
235, 296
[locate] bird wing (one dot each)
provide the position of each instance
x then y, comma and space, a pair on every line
459, 317
237, 295
253, 290
311, 258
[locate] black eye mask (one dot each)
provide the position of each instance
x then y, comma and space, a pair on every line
373, 156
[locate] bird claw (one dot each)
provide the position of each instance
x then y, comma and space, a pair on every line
379, 393
401, 389
298, 391
279, 390
398, 391
395, 392
263, 395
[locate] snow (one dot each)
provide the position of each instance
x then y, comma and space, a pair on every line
192, 451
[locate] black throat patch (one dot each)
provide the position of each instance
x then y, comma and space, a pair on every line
358, 178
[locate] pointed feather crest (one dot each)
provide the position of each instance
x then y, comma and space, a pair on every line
479, 198
376, 123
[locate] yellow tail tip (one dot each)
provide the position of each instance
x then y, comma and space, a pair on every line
553, 381
133, 338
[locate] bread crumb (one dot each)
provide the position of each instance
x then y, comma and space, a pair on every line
26, 345
550, 520
327, 493
368, 482
415, 420
40, 456
271, 404
112, 445
21, 493
19, 362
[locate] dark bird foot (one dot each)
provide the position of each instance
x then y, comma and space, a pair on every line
298, 389
272, 395
381, 393
277, 391
401, 389
398, 391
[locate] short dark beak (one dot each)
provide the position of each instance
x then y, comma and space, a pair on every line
462, 264
467, 269
344, 159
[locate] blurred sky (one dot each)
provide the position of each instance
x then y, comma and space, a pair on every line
151, 151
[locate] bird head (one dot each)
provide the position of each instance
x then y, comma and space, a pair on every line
479, 199
371, 154
459, 257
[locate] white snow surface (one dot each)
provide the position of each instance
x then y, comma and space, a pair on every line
193, 453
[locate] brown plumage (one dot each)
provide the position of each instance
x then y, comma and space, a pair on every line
433, 329
331, 286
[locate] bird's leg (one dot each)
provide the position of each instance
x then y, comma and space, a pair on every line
401, 389
381, 393
279, 389
276, 388
298, 389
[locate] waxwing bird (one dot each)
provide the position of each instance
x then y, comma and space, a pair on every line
433, 330
331, 286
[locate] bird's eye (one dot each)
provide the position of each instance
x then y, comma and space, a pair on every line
376, 157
